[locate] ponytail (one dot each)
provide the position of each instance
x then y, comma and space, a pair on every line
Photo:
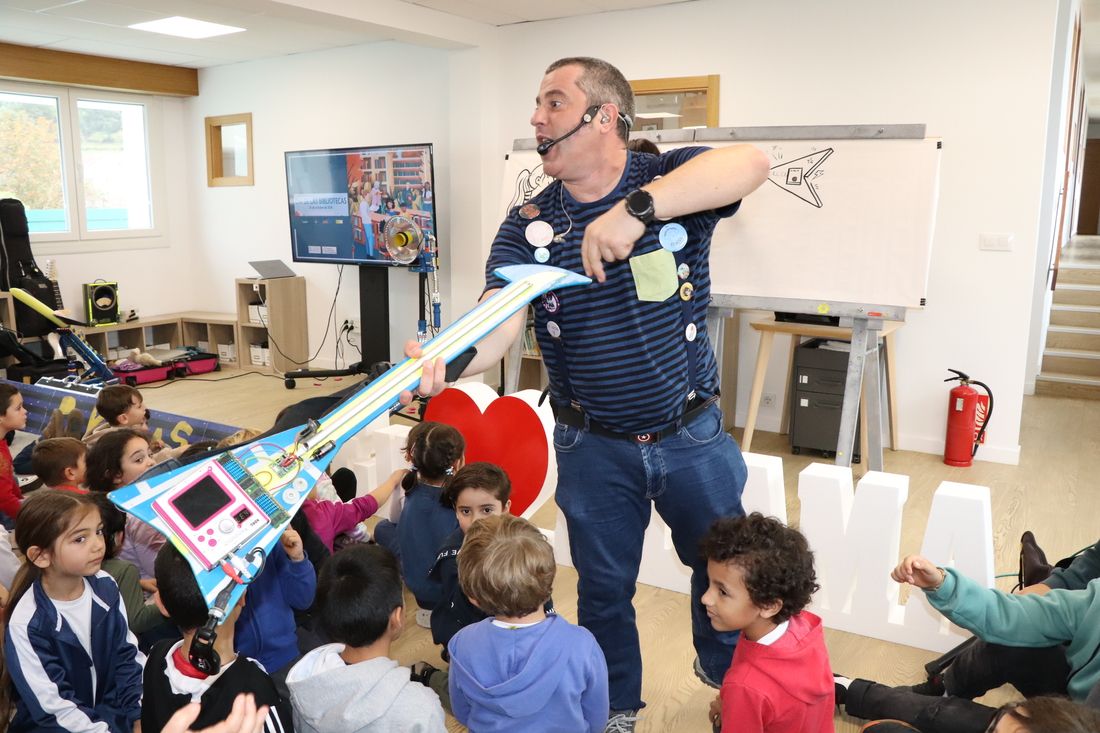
434, 448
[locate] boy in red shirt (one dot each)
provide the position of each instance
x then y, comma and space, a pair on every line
761, 577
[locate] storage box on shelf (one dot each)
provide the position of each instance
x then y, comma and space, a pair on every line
280, 338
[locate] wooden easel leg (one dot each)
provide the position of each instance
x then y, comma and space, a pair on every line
891, 389
762, 357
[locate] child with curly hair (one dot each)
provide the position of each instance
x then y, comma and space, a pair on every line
761, 578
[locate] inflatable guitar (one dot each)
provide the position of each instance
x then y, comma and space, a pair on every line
225, 513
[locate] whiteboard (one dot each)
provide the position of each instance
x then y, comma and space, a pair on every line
838, 220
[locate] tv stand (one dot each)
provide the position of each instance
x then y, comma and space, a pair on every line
374, 313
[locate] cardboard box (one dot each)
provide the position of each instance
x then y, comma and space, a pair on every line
257, 314
256, 354
227, 352
267, 356
203, 346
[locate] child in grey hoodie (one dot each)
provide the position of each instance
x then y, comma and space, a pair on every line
353, 686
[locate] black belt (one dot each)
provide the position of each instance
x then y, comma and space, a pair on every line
574, 417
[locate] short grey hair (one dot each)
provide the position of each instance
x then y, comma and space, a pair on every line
602, 83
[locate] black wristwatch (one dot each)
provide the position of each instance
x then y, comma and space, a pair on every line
639, 204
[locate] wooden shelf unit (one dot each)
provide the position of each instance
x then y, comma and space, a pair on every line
216, 329
283, 327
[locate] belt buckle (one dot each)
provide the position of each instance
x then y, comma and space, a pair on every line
645, 438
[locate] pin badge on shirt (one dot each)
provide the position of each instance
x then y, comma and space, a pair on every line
529, 211
686, 291
551, 303
683, 271
553, 329
542, 255
539, 233
690, 332
673, 237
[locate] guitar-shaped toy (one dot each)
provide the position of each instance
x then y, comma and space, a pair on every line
225, 513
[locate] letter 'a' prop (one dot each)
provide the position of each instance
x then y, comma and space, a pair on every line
225, 513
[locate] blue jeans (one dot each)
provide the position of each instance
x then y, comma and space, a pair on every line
605, 486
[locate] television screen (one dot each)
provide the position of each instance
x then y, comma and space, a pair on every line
340, 200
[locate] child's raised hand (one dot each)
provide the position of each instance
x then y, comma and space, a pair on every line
919, 571
292, 543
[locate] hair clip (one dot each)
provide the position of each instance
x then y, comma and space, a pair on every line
450, 471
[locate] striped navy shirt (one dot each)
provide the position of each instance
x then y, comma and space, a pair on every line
626, 359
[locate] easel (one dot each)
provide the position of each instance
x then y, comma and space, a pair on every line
863, 361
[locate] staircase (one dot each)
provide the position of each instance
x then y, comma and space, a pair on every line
1071, 359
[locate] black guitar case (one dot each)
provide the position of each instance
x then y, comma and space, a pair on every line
18, 269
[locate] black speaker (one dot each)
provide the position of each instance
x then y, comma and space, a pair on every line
101, 303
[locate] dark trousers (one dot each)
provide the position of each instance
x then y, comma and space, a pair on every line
982, 667
872, 701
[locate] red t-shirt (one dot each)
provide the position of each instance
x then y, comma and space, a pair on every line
10, 495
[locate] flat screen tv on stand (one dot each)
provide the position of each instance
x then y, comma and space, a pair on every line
339, 201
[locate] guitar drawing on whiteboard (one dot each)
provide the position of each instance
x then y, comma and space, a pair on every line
529, 182
797, 176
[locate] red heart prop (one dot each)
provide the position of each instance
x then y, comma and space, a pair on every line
508, 433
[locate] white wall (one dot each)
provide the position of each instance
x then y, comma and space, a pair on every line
376, 94
978, 74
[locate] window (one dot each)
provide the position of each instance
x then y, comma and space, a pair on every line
674, 103
80, 162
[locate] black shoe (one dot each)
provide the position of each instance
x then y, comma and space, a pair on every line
1034, 567
932, 687
840, 690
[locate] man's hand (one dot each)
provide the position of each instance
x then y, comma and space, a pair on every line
292, 543
609, 238
432, 379
716, 712
918, 571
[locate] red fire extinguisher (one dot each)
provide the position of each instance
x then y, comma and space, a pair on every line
965, 425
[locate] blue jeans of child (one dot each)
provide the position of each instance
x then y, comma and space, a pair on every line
605, 489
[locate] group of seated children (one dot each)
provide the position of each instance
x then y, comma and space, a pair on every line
483, 582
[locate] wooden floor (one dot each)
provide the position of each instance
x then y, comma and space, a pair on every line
1054, 483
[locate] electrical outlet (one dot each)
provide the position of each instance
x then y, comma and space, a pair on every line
769, 399
353, 334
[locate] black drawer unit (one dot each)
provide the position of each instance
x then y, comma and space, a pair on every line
817, 399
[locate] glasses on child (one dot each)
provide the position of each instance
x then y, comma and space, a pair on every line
1009, 709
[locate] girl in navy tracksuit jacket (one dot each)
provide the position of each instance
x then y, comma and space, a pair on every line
73, 663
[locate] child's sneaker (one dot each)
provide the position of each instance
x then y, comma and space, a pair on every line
621, 721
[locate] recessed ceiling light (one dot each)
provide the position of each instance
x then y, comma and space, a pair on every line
183, 27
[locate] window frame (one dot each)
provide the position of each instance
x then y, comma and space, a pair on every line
79, 239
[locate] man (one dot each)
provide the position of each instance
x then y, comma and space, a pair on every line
633, 377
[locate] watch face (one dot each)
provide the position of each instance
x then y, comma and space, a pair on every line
640, 204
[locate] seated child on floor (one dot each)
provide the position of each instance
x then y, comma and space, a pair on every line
329, 519
61, 425
761, 577
141, 616
171, 681
521, 669
352, 685
1031, 620
122, 406
435, 451
118, 458
70, 661
61, 463
13, 417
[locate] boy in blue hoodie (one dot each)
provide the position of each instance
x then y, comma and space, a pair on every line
521, 669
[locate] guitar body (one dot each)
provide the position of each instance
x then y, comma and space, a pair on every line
225, 513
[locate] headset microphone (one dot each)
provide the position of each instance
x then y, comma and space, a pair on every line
589, 115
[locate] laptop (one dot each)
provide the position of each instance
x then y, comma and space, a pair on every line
271, 269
